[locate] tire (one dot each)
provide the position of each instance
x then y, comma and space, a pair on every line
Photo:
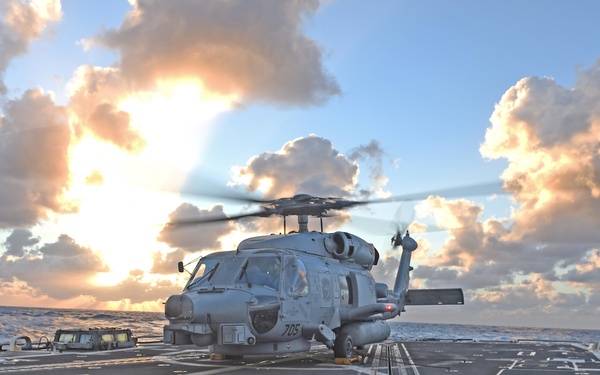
343, 346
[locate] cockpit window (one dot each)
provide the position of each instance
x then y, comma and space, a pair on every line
295, 280
263, 271
204, 271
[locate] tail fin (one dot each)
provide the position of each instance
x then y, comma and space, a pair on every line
419, 296
403, 276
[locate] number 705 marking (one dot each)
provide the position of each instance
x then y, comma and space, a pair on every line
291, 329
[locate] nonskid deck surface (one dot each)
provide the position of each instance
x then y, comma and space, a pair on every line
403, 358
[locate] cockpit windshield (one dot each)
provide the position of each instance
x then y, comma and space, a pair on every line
263, 271
204, 270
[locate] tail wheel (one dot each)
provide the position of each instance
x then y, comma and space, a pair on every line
343, 346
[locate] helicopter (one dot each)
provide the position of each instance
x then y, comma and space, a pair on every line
279, 293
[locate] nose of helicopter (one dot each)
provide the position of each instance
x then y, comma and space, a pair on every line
234, 316
225, 306
179, 308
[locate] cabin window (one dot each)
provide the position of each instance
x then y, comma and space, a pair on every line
122, 337
261, 271
107, 337
66, 337
85, 338
204, 271
345, 290
295, 278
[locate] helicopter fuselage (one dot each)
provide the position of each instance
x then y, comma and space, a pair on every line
277, 293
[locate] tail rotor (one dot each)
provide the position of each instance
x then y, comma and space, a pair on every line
404, 217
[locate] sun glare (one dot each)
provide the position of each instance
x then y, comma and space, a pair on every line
125, 198
265, 185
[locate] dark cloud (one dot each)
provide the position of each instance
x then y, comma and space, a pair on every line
60, 270
585, 273
34, 164
17, 241
64, 270
197, 236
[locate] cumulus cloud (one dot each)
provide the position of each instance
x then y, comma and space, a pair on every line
250, 53
498, 272
544, 259
550, 136
247, 52
306, 165
256, 50
21, 23
481, 253
33, 159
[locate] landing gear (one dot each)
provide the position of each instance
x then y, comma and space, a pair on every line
343, 346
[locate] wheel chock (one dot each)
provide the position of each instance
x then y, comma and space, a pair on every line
221, 357
347, 361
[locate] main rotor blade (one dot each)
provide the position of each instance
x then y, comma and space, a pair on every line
316, 206
213, 219
223, 193
383, 227
488, 188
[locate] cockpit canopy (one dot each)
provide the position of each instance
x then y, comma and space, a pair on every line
261, 271
276, 271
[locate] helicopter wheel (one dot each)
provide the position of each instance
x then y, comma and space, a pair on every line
343, 346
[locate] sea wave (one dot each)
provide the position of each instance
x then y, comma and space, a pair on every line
40, 322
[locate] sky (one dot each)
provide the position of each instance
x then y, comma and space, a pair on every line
119, 117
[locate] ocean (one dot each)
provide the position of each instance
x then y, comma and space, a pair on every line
38, 322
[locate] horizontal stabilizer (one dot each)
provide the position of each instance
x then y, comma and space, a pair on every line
435, 297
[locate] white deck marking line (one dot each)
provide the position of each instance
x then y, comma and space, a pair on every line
399, 360
412, 364
376, 359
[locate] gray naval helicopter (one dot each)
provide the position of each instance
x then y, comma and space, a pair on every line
276, 294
